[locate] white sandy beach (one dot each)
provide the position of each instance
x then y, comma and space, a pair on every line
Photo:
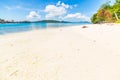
66, 53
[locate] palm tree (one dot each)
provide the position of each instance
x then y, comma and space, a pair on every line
116, 15
117, 1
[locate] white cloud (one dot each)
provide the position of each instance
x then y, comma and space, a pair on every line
65, 5
18, 7
56, 10
62, 4
33, 14
12, 7
76, 16
58, 3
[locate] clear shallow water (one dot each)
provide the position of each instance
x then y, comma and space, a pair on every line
19, 27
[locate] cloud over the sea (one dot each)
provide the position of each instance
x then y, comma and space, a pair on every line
76, 16
57, 11
33, 15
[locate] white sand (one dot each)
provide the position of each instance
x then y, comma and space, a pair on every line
69, 53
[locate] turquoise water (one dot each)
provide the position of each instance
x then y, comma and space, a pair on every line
19, 27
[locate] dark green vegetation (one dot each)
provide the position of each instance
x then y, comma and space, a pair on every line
51, 21
107, 13
5, 21
1, 20
42, 21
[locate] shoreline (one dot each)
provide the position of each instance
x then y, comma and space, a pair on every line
33, 30
64, 53
42, 29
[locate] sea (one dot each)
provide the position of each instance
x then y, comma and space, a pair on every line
6, 28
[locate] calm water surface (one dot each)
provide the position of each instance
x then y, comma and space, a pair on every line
19, 27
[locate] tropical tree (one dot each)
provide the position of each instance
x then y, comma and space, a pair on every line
117, 1
107, 13
104, 15
106, 5
94, 19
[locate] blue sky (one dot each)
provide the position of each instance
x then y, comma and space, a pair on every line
70, 10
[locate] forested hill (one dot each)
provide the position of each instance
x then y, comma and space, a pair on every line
107, 13
41, 21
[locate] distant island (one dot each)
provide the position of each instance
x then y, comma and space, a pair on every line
41, 21
51, 21
6, 21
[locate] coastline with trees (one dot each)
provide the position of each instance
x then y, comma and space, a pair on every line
107, 13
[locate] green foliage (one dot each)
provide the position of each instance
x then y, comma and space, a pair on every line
118, 21
94, 18
102, 16
106, 5
117, 1
106, 13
